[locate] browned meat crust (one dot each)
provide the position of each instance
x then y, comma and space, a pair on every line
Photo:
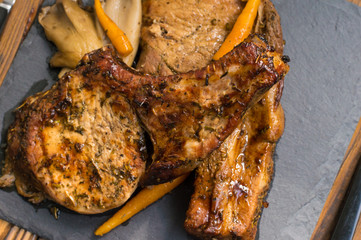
78, 144
189, 115
232, 183
60, 146
253, 142
182, 35
268, 23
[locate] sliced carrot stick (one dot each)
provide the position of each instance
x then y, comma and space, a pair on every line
115, 34
241, 29
143, 199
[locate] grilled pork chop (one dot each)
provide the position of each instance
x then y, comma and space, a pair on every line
79, 144
232, 182
61, 146
192, 118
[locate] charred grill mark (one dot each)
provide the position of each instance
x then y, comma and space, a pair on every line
163, 85
224, 74
94, 180
197, 131
63, 105
286, 59
78, 147
206, 80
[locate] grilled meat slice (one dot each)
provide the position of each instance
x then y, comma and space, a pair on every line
268, 23
231, 184
79, 144
189, 115
183, 35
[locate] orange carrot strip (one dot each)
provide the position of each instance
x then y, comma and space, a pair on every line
115, 34
143, 199
241, 28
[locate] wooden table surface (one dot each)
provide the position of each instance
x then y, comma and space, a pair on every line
9, 231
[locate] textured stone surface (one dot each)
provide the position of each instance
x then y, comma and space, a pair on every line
322, 102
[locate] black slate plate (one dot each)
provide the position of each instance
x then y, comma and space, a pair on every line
322, 102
